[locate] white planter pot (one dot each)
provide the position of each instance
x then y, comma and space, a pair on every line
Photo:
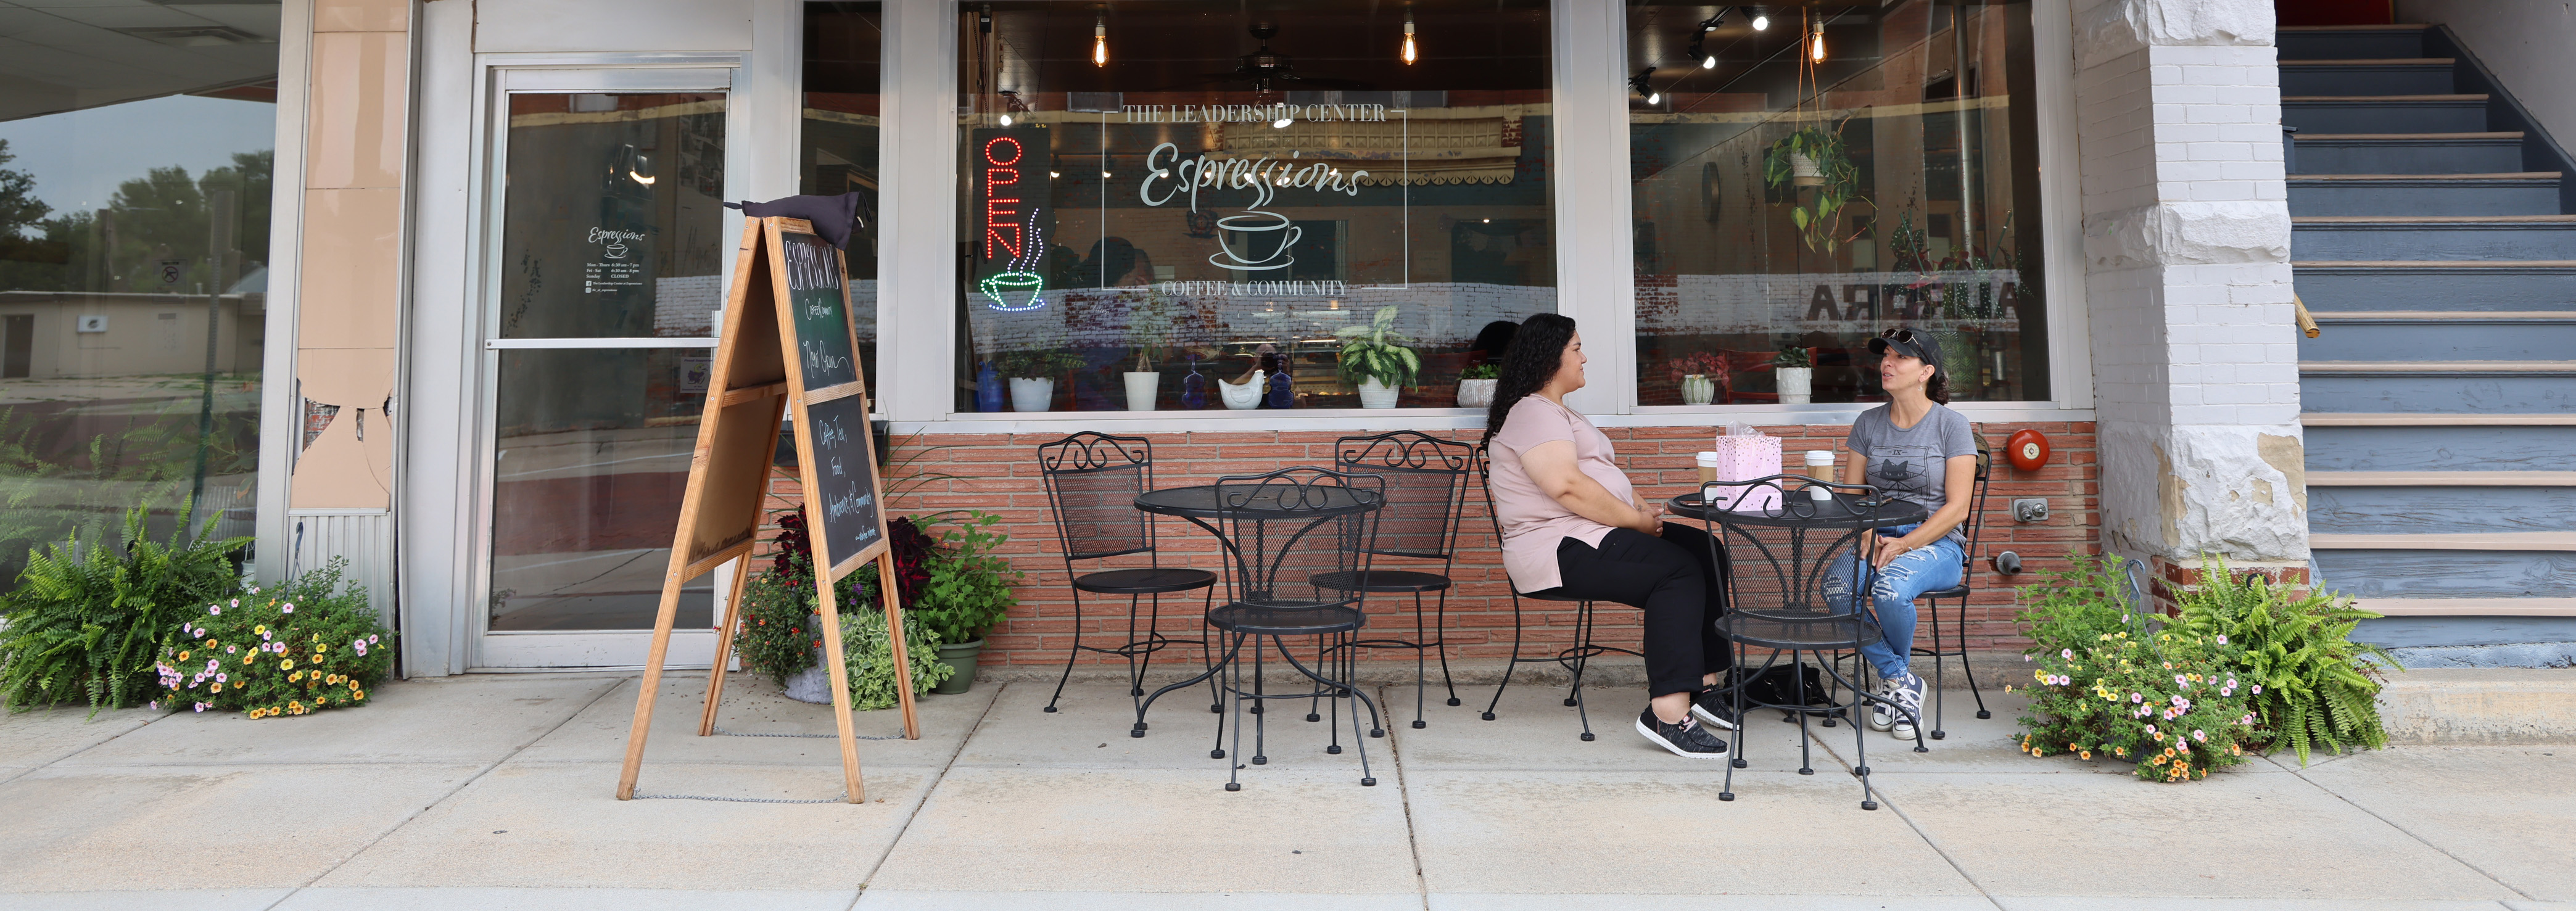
1141, 389
1477, 393
1246, 394
1698, 389
1032, 394
1803, 171
1374, 394
813, 684
1796, 384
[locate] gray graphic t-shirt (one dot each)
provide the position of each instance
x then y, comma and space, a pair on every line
1912, 463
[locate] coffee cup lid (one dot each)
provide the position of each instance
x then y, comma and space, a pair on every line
1708, 457
1820, 456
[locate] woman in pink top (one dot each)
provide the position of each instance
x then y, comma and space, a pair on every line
1573, 527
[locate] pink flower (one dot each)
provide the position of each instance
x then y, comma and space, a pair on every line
2151, 729
2137, 697
371, 638
362, 649
290, 607
223, 678
2066, 653
2258, 689
2196, 734
212, 664
154, 705
2178, 681
215, 609
2222, 638
2027, 658
263, 637
201, 708
228, 649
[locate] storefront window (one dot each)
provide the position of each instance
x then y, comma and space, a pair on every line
1806, 176
1204, 205
134, 233
844, 73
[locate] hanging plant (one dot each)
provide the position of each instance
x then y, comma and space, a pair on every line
1814, 158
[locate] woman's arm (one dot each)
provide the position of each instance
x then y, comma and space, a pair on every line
1552, 466
1958, 480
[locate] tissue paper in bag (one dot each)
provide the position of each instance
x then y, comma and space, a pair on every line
1744, 454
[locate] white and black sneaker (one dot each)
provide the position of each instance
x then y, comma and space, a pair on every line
1687, 739
1908, 693
1881, 716
1714, 706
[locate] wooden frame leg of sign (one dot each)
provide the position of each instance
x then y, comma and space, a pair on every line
786, 341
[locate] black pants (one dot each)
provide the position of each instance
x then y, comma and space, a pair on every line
1676, 579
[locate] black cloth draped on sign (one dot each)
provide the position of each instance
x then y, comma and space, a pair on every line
832, 216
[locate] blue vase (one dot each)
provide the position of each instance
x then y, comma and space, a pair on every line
1283, 387
1194, 387
988, 389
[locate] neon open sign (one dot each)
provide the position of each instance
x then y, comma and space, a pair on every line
1012, 173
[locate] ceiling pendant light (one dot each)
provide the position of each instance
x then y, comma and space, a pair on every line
1761, 20
1100, 40
1816, 42
1410, 52
1006, 120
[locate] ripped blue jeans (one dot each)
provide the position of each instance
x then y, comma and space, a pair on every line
1891, 595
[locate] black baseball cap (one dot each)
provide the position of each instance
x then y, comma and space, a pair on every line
1909, 343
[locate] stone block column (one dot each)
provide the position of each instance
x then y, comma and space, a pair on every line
2187, 277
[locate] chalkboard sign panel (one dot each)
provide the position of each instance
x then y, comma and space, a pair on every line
819, 296
845, 475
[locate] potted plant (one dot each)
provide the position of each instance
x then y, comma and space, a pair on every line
1032, 375
1375, 359
1698, 373
1795, 375
1476, 385
969, 589
1149, 329
1814, 158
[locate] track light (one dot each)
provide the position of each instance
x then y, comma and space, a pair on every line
1761, 20
1816, 42
1100, 40
1006, 120
1410, 52
1644, 87
1699, 40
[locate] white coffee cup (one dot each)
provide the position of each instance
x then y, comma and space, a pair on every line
1707, 462
1820, 466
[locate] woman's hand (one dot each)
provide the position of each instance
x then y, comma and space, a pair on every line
1654, 519
1884, 550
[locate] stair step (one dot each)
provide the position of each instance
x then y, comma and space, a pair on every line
2469, 607
2478, 237
2427, 113
2442, 479
2400, 335
2336, 41
2437, 420
2535, 541
2511, 193
2438, 510
2377, 388
2379, 76
2396, 569
2498, 285
2408, 153
2492, 444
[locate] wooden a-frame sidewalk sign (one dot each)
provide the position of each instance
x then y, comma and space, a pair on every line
786, 343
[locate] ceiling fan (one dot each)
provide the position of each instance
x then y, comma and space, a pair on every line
1264, 68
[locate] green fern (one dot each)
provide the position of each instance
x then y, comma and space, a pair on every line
87, 620
2318, 688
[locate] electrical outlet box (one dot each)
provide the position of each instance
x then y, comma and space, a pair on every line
2030, 509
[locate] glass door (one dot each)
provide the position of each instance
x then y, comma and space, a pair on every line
608, 253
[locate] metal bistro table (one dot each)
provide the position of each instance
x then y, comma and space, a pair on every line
1777, 563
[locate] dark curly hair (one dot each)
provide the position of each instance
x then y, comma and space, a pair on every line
1938, 387
1528, 364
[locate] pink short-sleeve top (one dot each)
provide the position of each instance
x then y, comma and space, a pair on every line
1533, 522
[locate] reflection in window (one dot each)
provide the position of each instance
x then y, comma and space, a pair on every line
133, 288
1849, 168
843, 79
1194, 205
614, 204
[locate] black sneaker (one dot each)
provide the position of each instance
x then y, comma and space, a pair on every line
1687, 739
1715, 706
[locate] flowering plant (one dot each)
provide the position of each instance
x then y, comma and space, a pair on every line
296, 649
2171, 702
1705, 363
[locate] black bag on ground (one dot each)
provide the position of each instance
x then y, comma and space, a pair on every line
1779, 685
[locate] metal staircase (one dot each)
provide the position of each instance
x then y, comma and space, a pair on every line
2433, 243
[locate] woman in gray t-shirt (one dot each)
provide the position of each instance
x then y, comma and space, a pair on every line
1912, 448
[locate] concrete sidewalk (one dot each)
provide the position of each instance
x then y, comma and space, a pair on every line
494, 792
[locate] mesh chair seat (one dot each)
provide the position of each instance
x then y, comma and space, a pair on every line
1956, 591
1392, 581
1145, 581
1817, 633
1262, 620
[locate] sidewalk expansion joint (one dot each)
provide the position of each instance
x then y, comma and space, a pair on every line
927, 790
2302, 775
1886, 801
1404, 797
613, 686
22, 773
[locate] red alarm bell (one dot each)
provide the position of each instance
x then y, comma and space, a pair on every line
2027, 448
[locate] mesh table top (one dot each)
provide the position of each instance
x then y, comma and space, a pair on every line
1796, 511
1318, 501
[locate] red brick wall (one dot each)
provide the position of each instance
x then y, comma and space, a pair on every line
998, 473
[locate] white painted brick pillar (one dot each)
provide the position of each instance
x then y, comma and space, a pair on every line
2187, 273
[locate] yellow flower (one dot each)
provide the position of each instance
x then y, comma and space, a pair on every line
256, 630
2087, 754
356, 693
183, 656
288, 664
320, 647
296, 707
219, 687
297, 677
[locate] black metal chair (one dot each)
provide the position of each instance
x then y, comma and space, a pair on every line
1289, 534
1775, 600
1573, 658
1967, 576
1092, 482
1426, 481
